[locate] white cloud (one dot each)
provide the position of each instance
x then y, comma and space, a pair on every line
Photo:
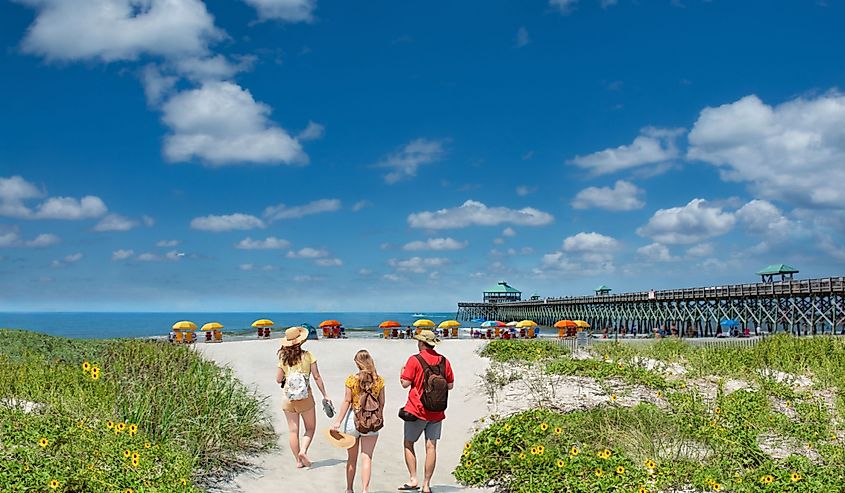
42, 240
69, 259
269, 243
111, 30
148, 221
624, 196
590, 242
364, 272
313, 131
404, 163
210, 68
473, 213
393, 278
328, 262
691, 223
701, 250
285, 10
226, 222
246, 267
115, 222
793, 151
221, 124
508, 232
122, 254
522, 37
281, 211
656, 252
70, 208
168, 243
308, 252
156, 84
148, 257
652, 146
524, 190
361, 204
172, 255
308, 278
417, 265
13, 192
585, 264
763, 218
436, 244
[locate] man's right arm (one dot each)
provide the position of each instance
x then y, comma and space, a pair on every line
407, 374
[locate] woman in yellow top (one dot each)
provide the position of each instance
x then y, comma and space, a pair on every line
366, 380
297, 367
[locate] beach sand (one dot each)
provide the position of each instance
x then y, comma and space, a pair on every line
254, 363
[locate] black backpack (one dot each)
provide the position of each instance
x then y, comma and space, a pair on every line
435, 391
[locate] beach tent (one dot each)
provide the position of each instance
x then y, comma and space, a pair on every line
729, 323
312, 331
424, 323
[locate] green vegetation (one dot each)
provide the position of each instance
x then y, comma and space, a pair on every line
522, 350
773, 436
121, 415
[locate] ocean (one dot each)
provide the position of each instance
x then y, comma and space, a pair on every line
124, 324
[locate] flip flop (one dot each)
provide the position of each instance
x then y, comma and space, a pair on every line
405, 487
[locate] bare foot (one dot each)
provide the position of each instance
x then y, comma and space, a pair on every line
304, 460
299, 465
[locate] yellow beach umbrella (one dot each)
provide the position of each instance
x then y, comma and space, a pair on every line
449, 324
263, 323
212, 326
582, 324
526, 323
185, 325
424, 323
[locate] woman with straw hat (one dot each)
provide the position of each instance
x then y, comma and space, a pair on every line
296, 367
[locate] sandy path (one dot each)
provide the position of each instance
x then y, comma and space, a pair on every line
254, 362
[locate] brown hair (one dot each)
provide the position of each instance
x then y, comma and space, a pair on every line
366, 370
290, 355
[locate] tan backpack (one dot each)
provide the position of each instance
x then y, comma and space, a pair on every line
369, 418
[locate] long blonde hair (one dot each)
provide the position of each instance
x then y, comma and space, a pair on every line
366, 370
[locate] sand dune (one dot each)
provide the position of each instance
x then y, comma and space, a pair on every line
254, 362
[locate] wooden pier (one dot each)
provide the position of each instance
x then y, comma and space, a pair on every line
809, 306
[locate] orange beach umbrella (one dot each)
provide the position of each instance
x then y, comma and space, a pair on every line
330, 323
185, 325
565, 324
389, 324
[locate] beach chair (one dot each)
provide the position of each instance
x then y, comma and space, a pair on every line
489, 334
386, 333
218, 336
522, 333
189, 337
561, 333
531, 332
506, 335
497, 332
208, 336
179, 337
455, 332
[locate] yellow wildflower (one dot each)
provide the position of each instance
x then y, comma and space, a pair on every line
43, 442
717, 487
127, 453
560, 463
598, 472
540, 449
121, 426
544, 426
718, 410
54, 484
109, 424
642, 490
468, 463
795, 477
507, 427
468, 445
147, 445
86, 366
613, 397
133, 428
522, 456
767, 479
650, 464
558, 430
620, 470
498, 441
574, 451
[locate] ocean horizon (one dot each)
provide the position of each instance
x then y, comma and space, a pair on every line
97, 325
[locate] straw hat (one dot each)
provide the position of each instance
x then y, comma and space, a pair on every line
427, 337
294, 336
339, 439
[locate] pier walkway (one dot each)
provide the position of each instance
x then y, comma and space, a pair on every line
808, 306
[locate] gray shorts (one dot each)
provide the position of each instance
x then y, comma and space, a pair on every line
414, 429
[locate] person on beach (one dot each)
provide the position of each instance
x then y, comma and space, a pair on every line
429, 377
296, 367
362, 405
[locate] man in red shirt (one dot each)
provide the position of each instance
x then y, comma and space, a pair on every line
427, 421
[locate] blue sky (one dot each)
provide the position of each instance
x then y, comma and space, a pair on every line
294, 155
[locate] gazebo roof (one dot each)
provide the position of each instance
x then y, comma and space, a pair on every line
502, 287
602, 288
777, 269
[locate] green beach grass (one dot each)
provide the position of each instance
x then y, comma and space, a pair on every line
120, 415
696, 435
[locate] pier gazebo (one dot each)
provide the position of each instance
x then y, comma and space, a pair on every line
784, 271
602, 290
502, 292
